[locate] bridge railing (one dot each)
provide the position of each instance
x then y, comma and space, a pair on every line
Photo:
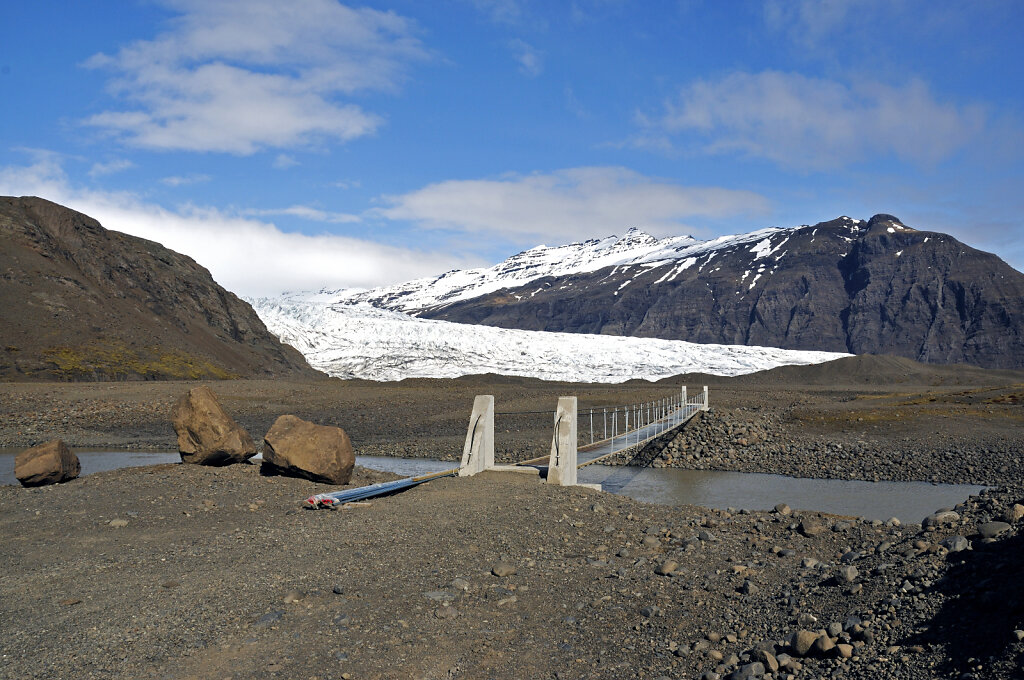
645, 419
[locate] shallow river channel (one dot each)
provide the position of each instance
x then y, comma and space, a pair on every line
909, 501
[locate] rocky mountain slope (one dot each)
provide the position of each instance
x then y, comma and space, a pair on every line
875, 287
79, 302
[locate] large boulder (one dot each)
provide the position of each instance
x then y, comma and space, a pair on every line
48, 463
298, 448
206, 434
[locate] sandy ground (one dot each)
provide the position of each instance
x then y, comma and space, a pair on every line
179, 571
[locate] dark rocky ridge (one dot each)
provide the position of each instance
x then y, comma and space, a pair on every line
842, 285
80, 302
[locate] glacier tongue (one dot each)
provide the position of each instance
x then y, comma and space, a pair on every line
348, 340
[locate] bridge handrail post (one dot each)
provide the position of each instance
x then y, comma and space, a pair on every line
478, 451
562, 462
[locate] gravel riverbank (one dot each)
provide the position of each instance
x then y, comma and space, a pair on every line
178, 571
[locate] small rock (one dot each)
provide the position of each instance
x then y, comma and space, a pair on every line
845, 650
748, 671
802, 641
439, 596
823, 646
749, 588
992, 529
293, 597
118, 523
955, 543
460, 584
270, 617
940, 518
847, 574
503, 569
771, 664
783, 509
1015, 513
338, 590
811, 528
806, 620
650, 611
666, 568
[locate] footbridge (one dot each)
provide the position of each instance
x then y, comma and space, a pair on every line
604, 431
580, 437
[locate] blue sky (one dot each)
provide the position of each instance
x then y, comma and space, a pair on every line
294, 145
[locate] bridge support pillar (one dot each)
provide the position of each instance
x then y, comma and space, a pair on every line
562, 463
478, 452
704, 407
684, 396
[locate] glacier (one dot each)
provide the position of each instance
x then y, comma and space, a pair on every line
347, 339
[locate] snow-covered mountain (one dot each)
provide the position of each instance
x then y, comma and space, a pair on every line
361, 341
845, 285
635, 248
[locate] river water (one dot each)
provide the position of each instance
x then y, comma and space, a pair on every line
908, 501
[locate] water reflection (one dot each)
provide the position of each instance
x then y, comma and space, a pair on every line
909, 501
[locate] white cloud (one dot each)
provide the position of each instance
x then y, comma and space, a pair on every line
809, 22
241, 75
307, 213
531, 61
184, 180
100, 169
245, 255
799, 121
284, 161
500, 11
567, 204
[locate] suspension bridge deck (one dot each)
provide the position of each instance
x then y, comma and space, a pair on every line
593, 453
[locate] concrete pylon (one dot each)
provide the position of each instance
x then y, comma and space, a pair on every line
478, 452
562, 463
684, 396
705, 406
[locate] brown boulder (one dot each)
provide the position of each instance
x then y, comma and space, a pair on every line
298, 448
206, 434
48, 463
